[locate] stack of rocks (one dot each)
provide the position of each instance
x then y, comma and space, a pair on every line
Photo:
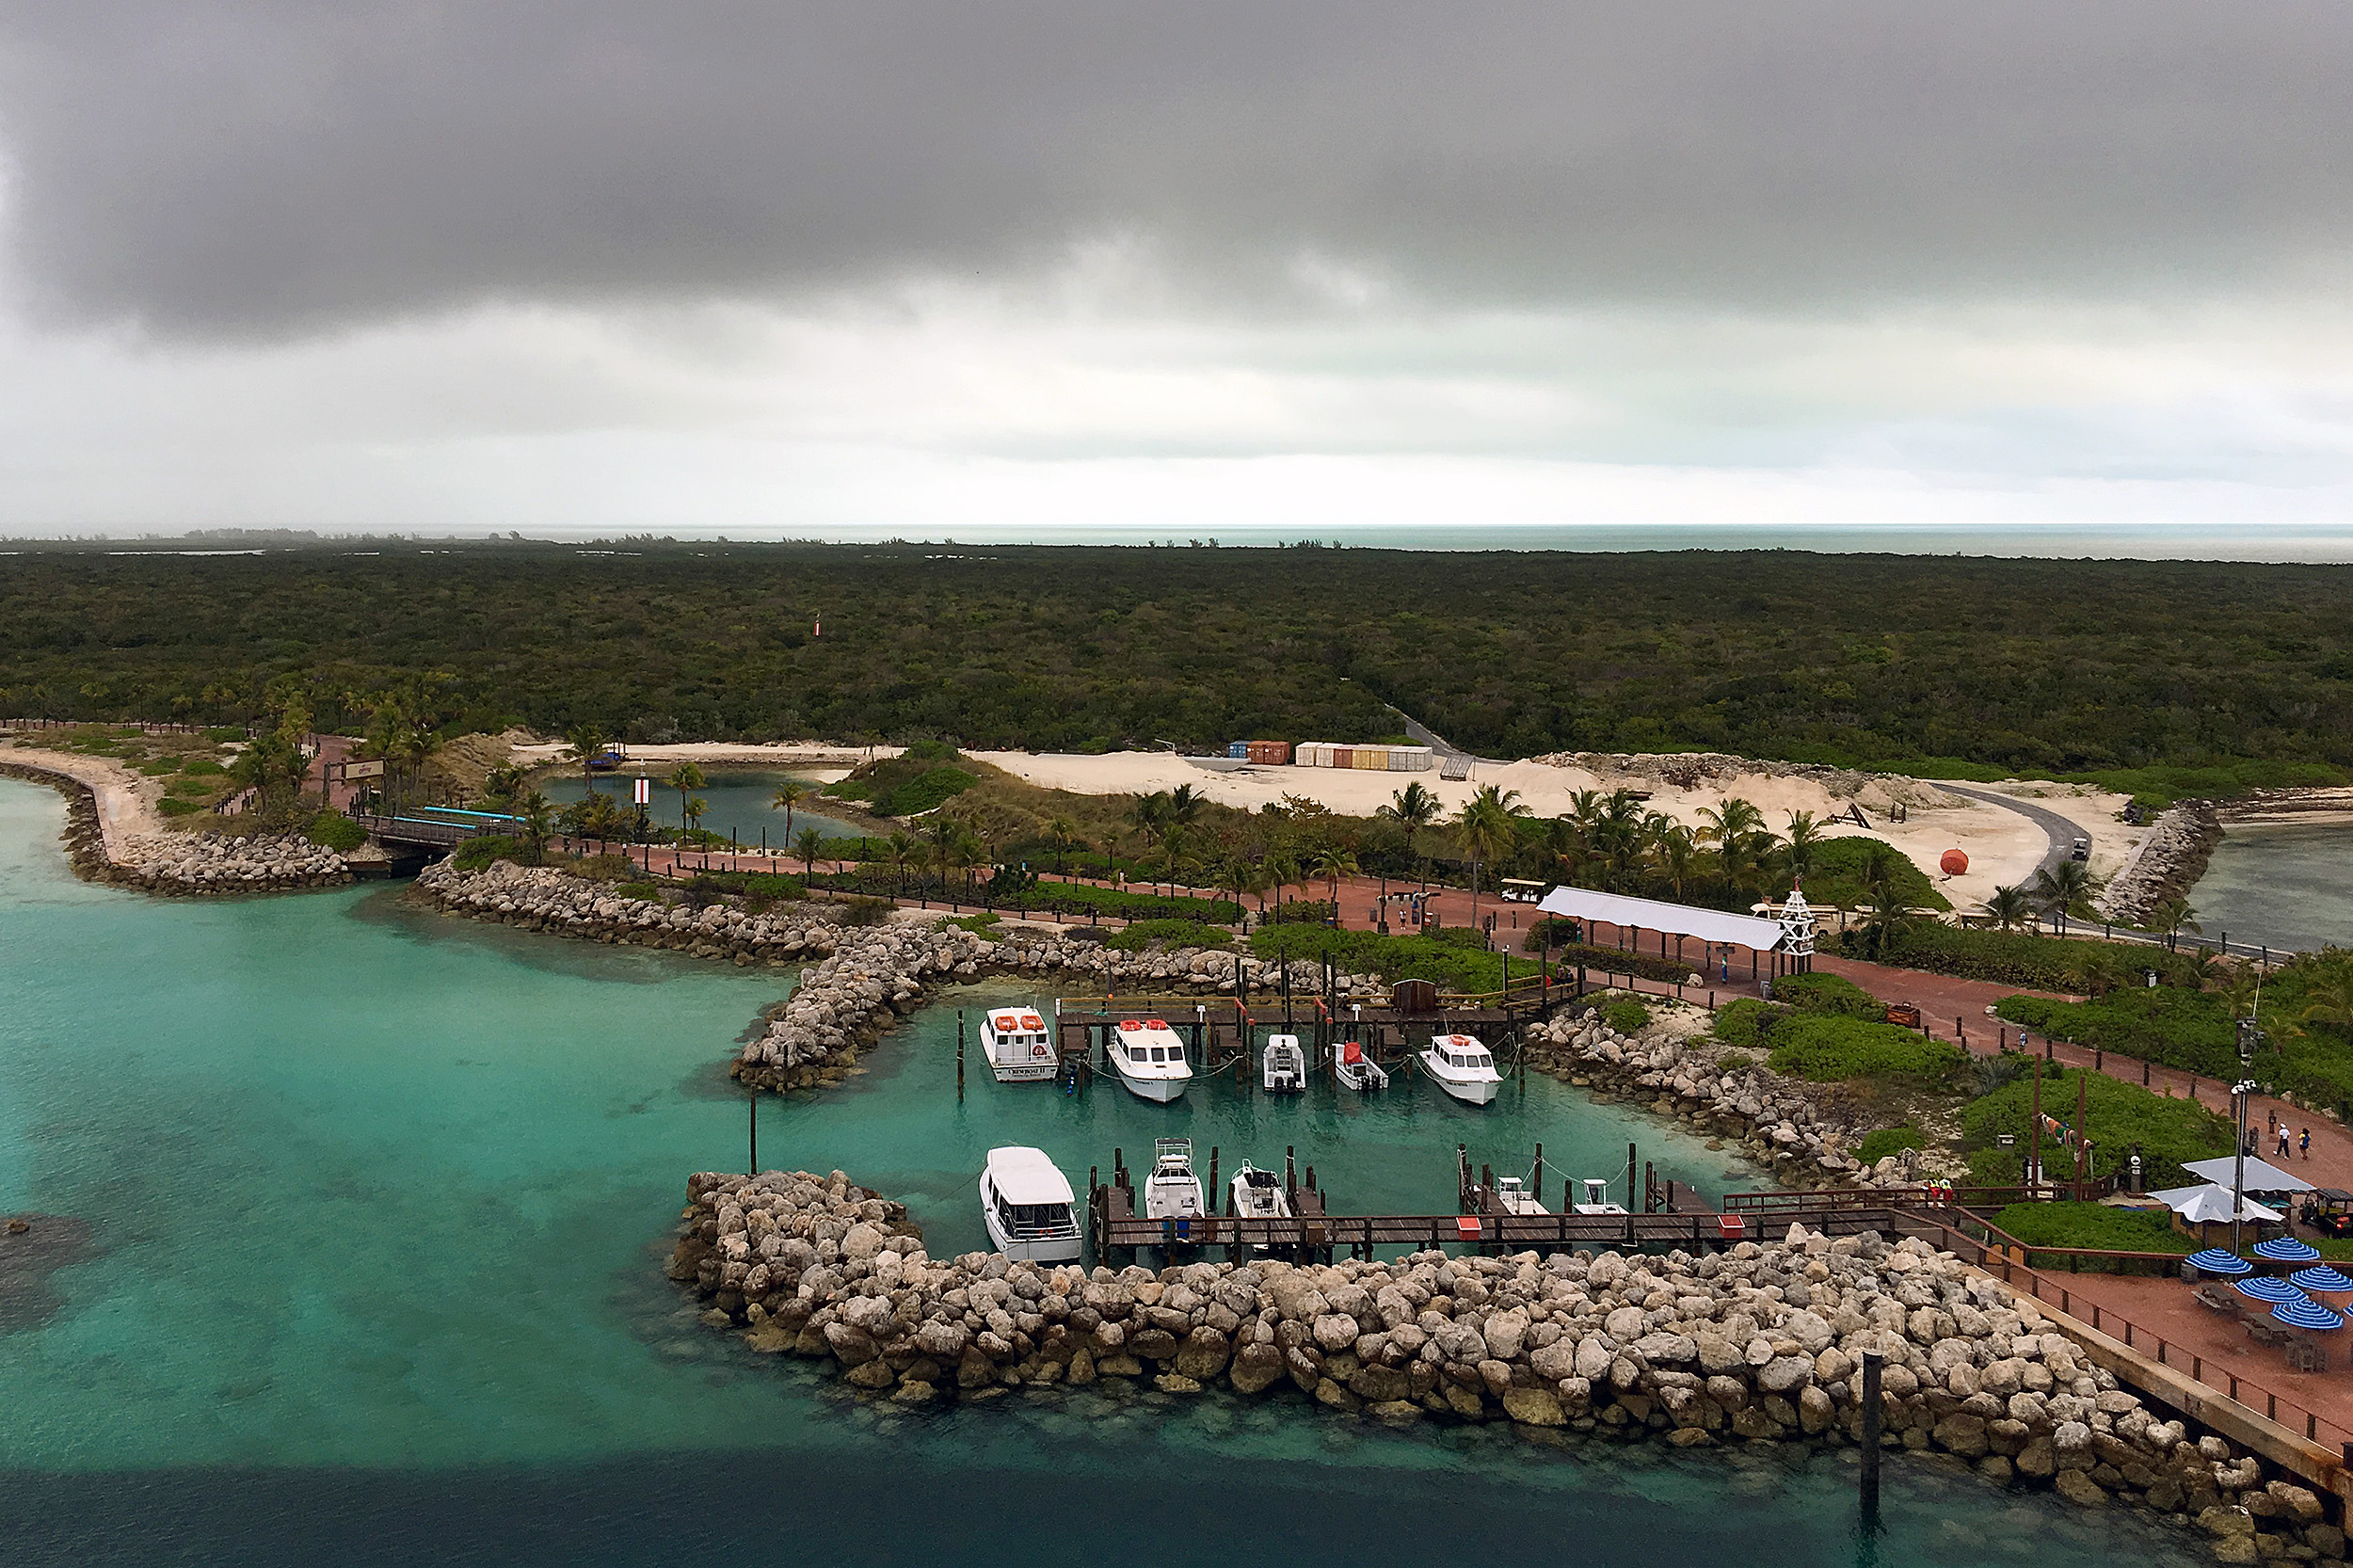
217, 863
2169, 860
1796, 1127
1764, 1342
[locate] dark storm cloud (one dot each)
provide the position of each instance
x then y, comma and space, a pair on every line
257, 169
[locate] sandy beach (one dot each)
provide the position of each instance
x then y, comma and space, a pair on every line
126, 800
2003, 847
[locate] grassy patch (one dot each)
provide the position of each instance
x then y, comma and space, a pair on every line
2022, 958
1879, 1144
1830, 994
2121, 1115
1627, 1016
1452, 960
2094, 1226
172, 807
1834, 877
480, 853
1825, 1049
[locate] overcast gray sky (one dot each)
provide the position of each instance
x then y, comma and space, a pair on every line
751, 268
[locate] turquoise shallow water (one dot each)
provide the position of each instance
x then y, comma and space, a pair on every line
2287, 883
377, 1201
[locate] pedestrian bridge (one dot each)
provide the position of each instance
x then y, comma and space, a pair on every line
434, 826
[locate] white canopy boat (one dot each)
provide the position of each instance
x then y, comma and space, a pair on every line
1513, 1193
1017, 1044
1258, 1194
1172, 1192
1357, 1071
1283, 1065
1596, 1198
1463, 1067
1149, 1058
1025, 1203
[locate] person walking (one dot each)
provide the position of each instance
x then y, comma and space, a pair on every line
2283, 1140
2305, 1138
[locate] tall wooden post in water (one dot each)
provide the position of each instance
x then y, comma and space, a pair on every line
959, 1056
751, 1101
1873, 1413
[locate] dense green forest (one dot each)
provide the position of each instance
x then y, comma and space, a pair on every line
1930, 664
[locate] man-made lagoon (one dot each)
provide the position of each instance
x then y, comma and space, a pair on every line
735, 801
376, 1203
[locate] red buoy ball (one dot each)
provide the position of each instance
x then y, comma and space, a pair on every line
1954, 863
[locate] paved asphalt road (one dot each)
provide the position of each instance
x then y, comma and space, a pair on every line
2062, 833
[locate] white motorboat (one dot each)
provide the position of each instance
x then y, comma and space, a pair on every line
1151, 1060
1463, 1067
1173, 1192
1357, 1071
1514, 1197
1283, 1065
1015, 1041
1025, 1203
1258, 1194
1596, 1198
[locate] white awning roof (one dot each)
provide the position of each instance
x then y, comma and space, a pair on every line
2209, 1205
1676, 919
1025, 1176
2259, 1177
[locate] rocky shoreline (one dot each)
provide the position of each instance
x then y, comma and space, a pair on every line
181, 863
1761, 1343
868, 977
2171, 860
1800, 1130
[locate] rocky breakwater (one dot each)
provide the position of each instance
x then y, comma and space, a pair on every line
2169, 862
218, 863
1797, 1129
1032, 950
874, 976
542, 898
1761, 1343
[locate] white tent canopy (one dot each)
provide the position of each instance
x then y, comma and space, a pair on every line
1676, 919
2209, 1205
2260, 1177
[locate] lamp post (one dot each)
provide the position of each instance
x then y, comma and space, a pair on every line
2243, 1090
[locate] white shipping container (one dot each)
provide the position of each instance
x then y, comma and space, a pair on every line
1412, 759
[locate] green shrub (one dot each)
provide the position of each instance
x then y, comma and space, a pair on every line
477, 853
2167, 1130
192, 788
2190, 1030
1627, 1016
1877, 1146
2023, 958
1834, 876
1829, 994
644, 891
1171, 934
222, 734
1452, 960
1831, 1050
867, 911
1298, 911
1734, 1062
1743, 1023
1065, 898
202, 767
171, 807
923, 792
335, 831
2094, 1226
160, 766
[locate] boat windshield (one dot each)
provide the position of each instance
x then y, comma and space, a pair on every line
1034, 1218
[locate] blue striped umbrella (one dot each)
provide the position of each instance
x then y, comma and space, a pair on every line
2269, 1287
2286, 1249
2307, 1314
2320, 1277
2214, 1260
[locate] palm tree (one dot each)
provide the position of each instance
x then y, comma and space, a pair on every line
535, 809
1488, 826
583, 743
1413, 808
902, 846
1282, 870
695, 807
1797, 845
1678, 851
1062, 832
945, 837
1150, 816
2063, 887
1732, 825
685, 778
807, 847
788, 795
1333, 862
2009, 907
2328, 992
2174, 915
